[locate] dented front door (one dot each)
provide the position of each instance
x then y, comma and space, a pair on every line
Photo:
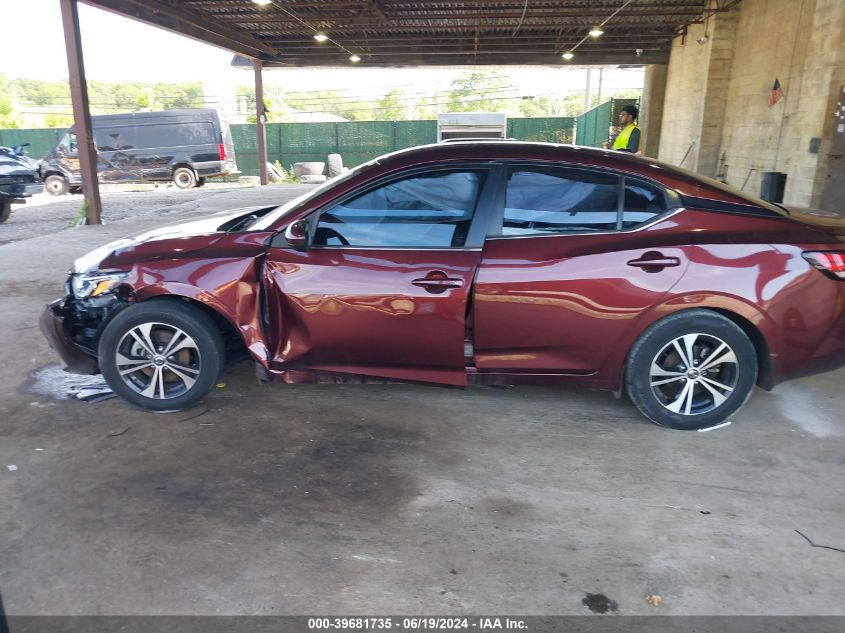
383, 289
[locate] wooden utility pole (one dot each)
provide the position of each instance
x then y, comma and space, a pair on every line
86, 148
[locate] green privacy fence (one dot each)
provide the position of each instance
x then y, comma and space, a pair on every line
40, 140
360, 141
356, 141
597, 125
550, 129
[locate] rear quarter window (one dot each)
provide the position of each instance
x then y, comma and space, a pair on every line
643, 202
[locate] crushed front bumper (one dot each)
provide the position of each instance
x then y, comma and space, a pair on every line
53, 326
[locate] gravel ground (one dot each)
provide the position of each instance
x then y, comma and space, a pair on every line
44, 214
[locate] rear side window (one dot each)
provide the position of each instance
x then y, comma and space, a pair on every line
178, 134
113, 139
425, 211
560, 201
643, 201
153, 135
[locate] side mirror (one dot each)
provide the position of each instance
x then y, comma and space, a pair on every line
297, 235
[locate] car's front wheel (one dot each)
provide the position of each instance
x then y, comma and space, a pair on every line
691, 370
161, 355
5, 210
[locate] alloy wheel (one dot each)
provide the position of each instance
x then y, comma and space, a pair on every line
694, 374
158, 360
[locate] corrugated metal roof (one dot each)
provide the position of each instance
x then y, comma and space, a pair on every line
401, 33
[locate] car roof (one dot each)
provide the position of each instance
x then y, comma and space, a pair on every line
685, 182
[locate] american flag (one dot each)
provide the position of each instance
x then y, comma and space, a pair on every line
777, 94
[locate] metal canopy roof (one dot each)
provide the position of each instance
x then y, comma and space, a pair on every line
442, 32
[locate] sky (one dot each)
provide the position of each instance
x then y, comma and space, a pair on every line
120, 49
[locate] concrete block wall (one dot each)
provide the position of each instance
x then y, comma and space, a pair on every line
717, 94
683, 106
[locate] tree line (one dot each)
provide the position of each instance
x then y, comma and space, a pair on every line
35, 103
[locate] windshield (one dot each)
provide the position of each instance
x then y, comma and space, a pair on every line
264, 223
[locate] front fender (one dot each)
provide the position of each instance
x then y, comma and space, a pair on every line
237, 303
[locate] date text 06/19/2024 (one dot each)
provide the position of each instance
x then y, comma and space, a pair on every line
415, 624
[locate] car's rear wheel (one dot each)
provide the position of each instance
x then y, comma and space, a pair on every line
184, 178
5, 210
691, 370
56, 185
161, 355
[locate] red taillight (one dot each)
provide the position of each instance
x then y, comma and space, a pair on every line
830, 262
222, 149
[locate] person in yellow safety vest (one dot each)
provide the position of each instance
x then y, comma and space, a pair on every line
628, 140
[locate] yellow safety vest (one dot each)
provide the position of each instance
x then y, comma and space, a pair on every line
624, 136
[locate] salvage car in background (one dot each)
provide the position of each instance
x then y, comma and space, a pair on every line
18, 179
183, 146
489, 262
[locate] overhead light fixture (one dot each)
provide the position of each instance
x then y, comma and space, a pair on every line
262, 2
321, 37
596, 31
354, 58
568, 55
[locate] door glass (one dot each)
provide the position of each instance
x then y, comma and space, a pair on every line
560, 201
429, 211
643, 201
115, 139
111, 139
68, 144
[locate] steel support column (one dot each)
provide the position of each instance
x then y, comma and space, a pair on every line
260, 121
81, 114
588, 97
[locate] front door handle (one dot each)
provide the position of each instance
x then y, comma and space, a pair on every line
437, 281
654, 261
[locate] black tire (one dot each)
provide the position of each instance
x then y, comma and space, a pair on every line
5, 210
76, 190
56, 185
677, 394
201, 181
184, 178
199, 355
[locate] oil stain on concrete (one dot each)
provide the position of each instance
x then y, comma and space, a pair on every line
599, 603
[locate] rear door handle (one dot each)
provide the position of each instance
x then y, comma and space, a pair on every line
654, 261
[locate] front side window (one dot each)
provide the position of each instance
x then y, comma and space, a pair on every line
542, 201
425, 211
68, 143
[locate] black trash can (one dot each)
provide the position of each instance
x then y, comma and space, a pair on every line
772, 186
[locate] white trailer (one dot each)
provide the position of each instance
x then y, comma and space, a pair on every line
471, 125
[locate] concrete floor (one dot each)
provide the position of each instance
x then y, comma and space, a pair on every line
398, 499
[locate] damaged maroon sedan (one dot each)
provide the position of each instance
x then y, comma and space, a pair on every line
485, 262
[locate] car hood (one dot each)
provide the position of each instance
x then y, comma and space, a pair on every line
173, 240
